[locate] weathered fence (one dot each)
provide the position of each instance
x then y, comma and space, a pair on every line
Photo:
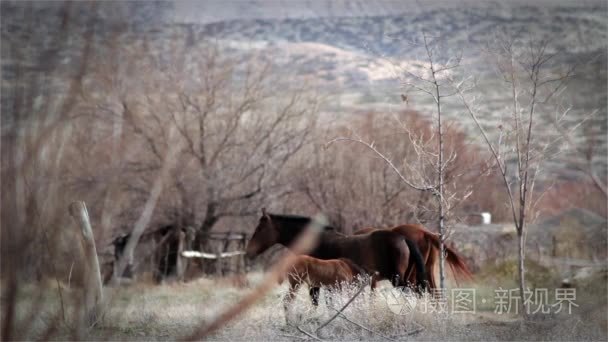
170, 252
226, 260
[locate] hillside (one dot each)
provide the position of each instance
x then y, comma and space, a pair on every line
356, 53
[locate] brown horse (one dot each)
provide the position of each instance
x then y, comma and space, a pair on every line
428, 243
382, 251
315, 273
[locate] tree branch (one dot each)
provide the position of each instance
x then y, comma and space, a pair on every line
378, 153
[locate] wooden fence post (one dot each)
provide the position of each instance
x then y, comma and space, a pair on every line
243, 258
225, 264
241, 267
180, 262
218, 261
93, 291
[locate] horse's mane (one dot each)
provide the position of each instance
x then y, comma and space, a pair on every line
297, 219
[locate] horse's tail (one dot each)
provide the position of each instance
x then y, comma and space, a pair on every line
421, 280
459, 267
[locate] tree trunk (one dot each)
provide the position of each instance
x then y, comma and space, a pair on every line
521, 267
146, 215
200, 238
208, 223
441, 248
141, 224
440, 193
93, 290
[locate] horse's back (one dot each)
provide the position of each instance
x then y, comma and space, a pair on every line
339, 270
387, 237
413, 232
352, 268
382, 251
319, 272
410, 231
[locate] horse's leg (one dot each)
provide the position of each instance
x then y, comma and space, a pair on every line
314, 295
374, 282
396, 280
426, 250
428, 265
401, 264
329, 296
413, 243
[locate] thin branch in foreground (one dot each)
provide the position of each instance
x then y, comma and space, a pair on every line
303, 244
362, 326
344, 306
308, 334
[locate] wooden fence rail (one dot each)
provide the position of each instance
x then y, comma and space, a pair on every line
203, 255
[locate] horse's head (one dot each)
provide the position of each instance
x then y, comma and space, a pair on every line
264, 237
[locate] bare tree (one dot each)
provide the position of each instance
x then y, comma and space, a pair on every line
146, 214
432, 82
381, 198
532, 81
432, 79
236, 136
323, 178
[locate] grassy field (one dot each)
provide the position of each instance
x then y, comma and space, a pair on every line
168, 312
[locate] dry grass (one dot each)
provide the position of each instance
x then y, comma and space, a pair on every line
168, 312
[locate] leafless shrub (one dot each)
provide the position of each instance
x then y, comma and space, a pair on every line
533, 83
236, 137
380, 198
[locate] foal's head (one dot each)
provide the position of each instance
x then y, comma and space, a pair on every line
264, 237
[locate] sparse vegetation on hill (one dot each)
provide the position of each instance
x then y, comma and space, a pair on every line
171, 129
